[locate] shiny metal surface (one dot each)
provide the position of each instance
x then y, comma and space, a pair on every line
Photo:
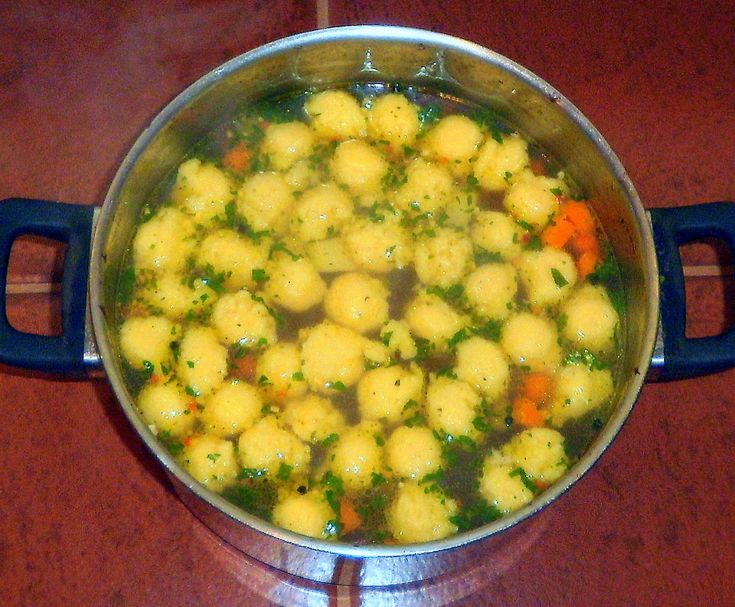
448, 65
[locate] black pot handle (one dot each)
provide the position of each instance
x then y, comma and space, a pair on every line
69, 223
673, 227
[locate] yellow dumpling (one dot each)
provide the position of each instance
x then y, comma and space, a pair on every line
301, 176
211, 461
357, 301
386, 392
499, 164
357, 455
285, 143
202, 190
483, 365
394, 119
330, 255
501, 483
534, 198
233, 256
378, 247
396, 334
531, 341
313, 418
540, 452
320, 212
267, 445
145, 342
171, 294
548, 275
591, 319
202, 363
430, 317
452, 406
279, 371
418, 515
443, 258
164, 242
361, 168
491, 289
577, 391
413, 452
428, 188
265, 200
332, 357
294, 283
241, 319
233, 407
336, 114
308, 514
497, 233
165, 406
454, 140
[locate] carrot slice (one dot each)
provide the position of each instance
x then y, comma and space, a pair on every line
349, 517
580, 215
537, 386
526, 412
587, 263
559, 233
237, 158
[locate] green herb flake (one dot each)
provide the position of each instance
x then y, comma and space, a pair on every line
213, 456
525, 479
336, 385
559, 278
284, 471
259, 275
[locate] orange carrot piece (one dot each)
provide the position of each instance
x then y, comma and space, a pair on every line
559, 233
587, 263
537, 386
586, 242
527, 413
349, 517
237, 158
580, 215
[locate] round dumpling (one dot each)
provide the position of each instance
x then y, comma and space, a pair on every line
308, 514
285, 143
202, 363
577, 391
265, 200
531, 341
591, 319
378, 247
360, 167
294, 283
320, 212
233, 407
501, 163
491, 289
357, 455
540, 452
443, 258
164, 242
394, 119
396, 334
430, 317
279, 371
166, 407
330, 255
336, 114
202, 190
268, 446
534, 199
211, 461
332, 357
501, 483
357, 301
428, 188
145, 342
413, 452
548, 275
172, 295
417, 515
484, 366
497, 233
452, 406
240, 319
301, 176
232, 256
386, 392
454, 140
313, 418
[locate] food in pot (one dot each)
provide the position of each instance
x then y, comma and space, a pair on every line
371, 315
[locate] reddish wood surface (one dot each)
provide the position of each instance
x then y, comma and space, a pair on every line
86, 516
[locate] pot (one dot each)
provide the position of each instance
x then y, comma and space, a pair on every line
646, 245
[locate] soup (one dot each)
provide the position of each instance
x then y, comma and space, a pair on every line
371, 315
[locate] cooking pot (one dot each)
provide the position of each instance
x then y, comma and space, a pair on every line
645, 243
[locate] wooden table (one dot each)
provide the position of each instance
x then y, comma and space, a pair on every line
86, 515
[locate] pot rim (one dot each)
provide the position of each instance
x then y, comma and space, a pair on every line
377, 33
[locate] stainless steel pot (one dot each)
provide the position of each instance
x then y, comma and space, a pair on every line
329, 58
